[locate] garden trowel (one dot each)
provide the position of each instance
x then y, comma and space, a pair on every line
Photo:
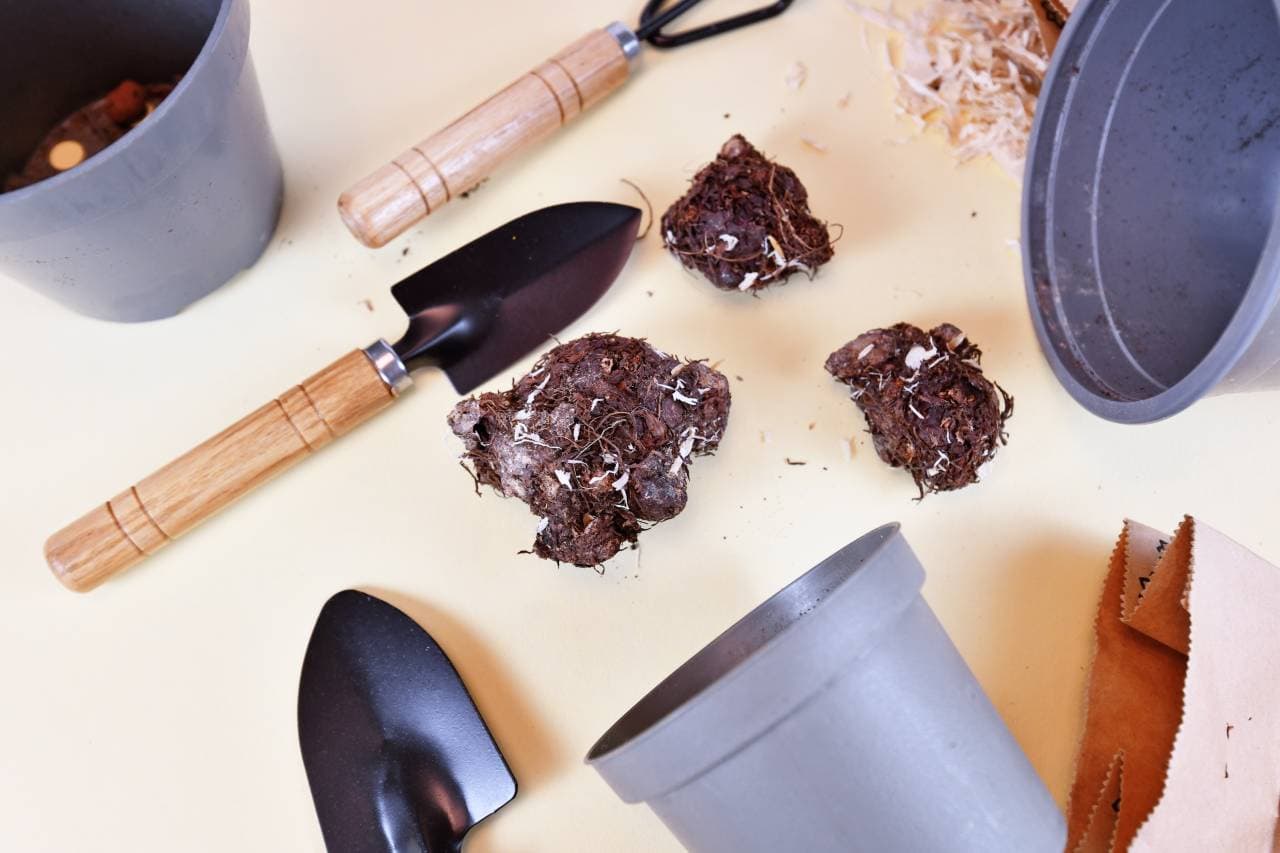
397, 755
472, 313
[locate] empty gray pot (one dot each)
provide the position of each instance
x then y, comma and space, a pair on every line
1151, 242
837, 716
182, 202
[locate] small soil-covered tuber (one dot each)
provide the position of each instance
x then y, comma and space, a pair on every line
597, 439
928, 405
745, 222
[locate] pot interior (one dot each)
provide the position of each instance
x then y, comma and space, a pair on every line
750, 634
56, 56
1152, 186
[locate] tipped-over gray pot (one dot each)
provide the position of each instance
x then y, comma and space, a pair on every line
1150, 236
182, 202
837, 716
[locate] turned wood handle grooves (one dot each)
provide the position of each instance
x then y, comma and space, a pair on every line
457, 158
145, 517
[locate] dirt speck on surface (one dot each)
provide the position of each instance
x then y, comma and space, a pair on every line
597, 439
467, 193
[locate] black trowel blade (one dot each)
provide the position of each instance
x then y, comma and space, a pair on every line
397, 755
505, 294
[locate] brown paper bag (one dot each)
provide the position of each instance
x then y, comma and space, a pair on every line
1181, 748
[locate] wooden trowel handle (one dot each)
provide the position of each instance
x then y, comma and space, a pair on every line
143, 518
457, 158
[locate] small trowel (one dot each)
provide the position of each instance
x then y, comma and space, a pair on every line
397, 755
472, 313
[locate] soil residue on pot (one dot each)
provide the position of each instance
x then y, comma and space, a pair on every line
597, 439
745, 222
929, 408
87, 131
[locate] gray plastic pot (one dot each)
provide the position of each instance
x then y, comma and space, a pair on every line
176, 207
1150, 236
1150, 228
837, 716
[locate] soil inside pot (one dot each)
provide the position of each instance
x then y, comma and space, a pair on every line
62, 55
87, 131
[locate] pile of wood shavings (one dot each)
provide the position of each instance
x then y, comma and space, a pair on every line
971, 67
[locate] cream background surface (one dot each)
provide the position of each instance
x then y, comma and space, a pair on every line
158, 713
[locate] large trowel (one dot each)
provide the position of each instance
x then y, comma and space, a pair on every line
473, 313
397, 755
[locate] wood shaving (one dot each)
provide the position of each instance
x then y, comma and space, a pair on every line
796, 75
971, 67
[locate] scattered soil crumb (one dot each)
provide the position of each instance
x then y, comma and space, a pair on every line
597, 439
467, 193
368, 305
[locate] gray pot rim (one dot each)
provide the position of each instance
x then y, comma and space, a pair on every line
643, 763
138, 135
1260, 300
